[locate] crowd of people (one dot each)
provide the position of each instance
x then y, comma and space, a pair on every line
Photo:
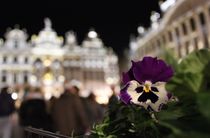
68, 114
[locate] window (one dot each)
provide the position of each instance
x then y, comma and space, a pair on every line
192, 24
170, 36
4, 78
25, 78
15, 60
202, 18
184, 28
4, 59
177, 31
164, 39
26, 60
15, 44
15, 78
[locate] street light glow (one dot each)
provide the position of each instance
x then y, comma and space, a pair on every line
92, 34
14, 96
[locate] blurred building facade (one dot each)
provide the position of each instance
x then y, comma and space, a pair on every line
184, 27
47, 60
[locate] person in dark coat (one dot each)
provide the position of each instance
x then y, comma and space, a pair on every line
33, 111
7, 108
113, 104
94, 111
68, 113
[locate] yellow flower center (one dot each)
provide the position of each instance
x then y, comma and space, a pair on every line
147, 86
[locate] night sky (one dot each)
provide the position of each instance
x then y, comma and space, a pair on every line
113, 21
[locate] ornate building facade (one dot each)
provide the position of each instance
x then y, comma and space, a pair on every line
46, 60
184, 27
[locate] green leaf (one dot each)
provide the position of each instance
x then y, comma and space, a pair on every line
174, 129
169, 58
195, 62
203, 100
193, 81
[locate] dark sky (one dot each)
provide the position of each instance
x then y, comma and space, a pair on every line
114, 21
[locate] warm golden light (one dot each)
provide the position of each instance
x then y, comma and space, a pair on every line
47, 62
102, 99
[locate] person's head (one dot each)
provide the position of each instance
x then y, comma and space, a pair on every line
92, 96
4, 90
74, 87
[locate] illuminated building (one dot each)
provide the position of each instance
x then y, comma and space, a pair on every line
47, 60
184, 27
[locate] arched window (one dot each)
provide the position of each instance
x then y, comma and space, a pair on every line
25, 77
177, 32
192, 24
184, 28
4, 78
170, 36
15, 60
26, 60
15, 44
202, 18
4, 59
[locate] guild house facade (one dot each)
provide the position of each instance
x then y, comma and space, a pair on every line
183, 28
48, 60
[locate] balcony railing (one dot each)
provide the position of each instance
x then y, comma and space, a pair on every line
30, 132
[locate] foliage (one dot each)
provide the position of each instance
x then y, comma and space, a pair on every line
189, 117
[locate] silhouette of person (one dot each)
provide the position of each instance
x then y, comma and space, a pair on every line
68, 113
7, 107
112, 105
33, 111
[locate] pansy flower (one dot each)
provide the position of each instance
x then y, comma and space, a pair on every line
144, 83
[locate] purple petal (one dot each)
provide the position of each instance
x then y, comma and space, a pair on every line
124, 96
165, 75
128, 76
152, 70
143, 69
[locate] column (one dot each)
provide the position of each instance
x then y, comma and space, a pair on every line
9, 78
20, 77
181, 40
207, 19
175, 42
188, 36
